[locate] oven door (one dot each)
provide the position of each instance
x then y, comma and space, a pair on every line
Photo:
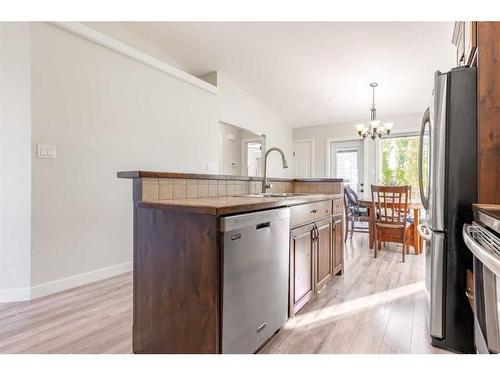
484, 245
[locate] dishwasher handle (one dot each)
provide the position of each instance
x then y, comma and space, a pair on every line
263, 226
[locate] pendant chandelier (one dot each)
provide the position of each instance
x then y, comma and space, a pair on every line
375, 128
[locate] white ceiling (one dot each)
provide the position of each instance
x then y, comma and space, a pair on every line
311, 73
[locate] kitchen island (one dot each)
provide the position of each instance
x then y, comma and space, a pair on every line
178, 265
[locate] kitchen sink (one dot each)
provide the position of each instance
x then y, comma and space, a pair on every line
273, 195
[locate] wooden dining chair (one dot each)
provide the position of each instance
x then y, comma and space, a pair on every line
391, 211
354, 213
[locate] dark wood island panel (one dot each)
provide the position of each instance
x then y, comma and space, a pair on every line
488, 112
176, 281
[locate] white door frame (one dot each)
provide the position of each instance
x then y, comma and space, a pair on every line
312, 159
328, 151
244, 155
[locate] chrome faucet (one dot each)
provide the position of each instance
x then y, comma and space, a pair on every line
266, 184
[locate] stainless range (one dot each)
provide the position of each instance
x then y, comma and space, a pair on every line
482, 237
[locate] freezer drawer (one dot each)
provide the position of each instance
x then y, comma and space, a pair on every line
255, 278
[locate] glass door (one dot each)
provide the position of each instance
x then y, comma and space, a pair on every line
347, 161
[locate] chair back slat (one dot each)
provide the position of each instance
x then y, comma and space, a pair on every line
391, 204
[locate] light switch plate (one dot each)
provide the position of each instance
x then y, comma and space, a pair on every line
46, 151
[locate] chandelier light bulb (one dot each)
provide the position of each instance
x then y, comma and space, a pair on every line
360, 128
375, 128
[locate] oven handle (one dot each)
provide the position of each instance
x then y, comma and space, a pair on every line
484, 256
424, 233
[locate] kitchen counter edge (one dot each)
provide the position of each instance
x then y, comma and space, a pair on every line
152, 174
235, 205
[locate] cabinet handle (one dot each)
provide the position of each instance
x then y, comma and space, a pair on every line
314, 211
315, 233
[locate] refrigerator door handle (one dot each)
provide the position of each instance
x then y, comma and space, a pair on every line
424, 232
424, 195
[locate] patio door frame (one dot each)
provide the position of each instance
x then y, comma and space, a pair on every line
328, 161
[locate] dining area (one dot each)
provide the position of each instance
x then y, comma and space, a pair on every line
388, 214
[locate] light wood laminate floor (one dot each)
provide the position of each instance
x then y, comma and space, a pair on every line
377, 306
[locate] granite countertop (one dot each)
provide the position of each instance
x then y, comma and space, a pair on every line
236, 204
152, 174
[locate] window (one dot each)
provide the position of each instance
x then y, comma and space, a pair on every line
347, 165
399, 161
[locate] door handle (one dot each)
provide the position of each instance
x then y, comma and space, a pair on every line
423, 197
424, 233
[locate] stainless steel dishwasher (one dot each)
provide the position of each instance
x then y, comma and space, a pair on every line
255, 278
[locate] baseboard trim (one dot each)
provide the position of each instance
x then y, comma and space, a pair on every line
55, 286
41, 290
15, 295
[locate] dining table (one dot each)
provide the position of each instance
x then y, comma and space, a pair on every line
414, 205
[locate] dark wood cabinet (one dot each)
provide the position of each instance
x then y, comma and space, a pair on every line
338, 245
316, 249
323, 246
302, 275
488, 113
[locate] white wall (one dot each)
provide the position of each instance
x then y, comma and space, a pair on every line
105, 113
237, 107
15, 161
230, 149
231, 160
346, 131
118, 31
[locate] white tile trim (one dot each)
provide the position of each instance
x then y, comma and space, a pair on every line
115, 45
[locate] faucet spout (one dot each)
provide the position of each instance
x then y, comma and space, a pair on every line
265, 182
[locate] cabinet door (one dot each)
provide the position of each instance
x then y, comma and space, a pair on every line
470, 42
324, 253
338, 245
302, 277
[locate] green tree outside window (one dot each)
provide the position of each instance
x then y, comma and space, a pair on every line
400, 161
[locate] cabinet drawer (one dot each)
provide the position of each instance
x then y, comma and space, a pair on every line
306, 213
338, 206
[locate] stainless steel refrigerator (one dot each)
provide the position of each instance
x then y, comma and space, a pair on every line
447, 174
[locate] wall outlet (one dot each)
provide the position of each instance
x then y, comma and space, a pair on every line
46, 151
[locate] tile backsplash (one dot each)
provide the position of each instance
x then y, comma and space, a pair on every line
177, 188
